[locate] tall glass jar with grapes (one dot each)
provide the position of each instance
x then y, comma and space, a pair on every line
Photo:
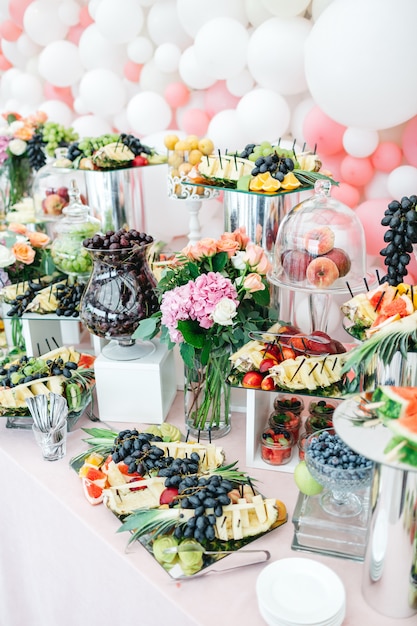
67, 250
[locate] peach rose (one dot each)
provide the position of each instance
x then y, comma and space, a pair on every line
253, 282
257, 259
23, 253
228, 244
204, 248
15, 227
241, 237
38, 240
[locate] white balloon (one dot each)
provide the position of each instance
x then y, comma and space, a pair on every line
193, 14
12, 53
164, 25
402, 181
370, 84
298, 116
140, 50
227, 131
103, 92
257, 12
27, 47
360, 143
221, 47
121, 123
97, 52
7, 80
119, 21
57, 111
92, 7
378, 187
148, 112
80, 106
91, 126
167, 57
60, 63
317, 8
69, 12
273, 118
27, 89
42, 23
283, 8
282, 69
240, 83
191, 73
152, 79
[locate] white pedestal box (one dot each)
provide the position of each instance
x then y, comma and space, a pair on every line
141, 390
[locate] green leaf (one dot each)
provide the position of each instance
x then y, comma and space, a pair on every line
147, 328
187, 353
219, 261
192, 333
261, 297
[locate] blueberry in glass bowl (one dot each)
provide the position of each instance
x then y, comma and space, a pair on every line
340, 470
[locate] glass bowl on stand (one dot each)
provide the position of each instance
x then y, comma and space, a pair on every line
341, 471
120, 293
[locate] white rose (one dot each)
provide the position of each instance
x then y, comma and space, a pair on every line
15, 126
238, 261
6, 257
17, 147
224, 312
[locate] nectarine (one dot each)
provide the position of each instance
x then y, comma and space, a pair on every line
295, 263
322, 272
342, 260
319, 240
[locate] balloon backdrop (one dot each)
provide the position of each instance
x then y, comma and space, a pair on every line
323, 74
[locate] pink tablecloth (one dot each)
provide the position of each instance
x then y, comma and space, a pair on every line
62, 561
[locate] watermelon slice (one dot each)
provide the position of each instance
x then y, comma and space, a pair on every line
399, 410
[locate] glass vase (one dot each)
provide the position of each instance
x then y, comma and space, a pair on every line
119, 294
19, 175
207, 396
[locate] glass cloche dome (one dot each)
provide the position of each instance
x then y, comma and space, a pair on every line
320, 246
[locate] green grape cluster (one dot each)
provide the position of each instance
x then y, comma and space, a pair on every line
88, 145
56, 135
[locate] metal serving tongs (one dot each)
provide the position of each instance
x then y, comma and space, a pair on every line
364, 414
234, 561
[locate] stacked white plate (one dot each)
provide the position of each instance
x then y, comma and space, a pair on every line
300, 592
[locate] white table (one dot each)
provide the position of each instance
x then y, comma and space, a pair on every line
62, 561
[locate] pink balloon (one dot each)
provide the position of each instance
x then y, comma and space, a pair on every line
370, 214
177, 95
64, 94
132, 71
74, 33
332, 163
321, 131
17, 9
355, 171
85, 17
195, 122
347, 194
218, 98
10, 31
4, 63
387, 156
409, 141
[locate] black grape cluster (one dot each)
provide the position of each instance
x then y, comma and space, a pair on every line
137, 452
200, 494
69, 298
248, 149
179, 468
277, 166
134, 144
36, 151
74, 151
401, 218
21, 302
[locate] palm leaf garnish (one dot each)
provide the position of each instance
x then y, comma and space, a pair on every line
101, 442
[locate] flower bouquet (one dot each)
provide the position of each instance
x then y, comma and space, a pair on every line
24, 254
214, 293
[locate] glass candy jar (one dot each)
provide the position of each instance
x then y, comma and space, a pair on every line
120, 292
67, 250
51, 187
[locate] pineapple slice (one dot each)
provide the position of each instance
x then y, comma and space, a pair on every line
211, 456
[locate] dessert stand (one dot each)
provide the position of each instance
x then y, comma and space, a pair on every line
389, 582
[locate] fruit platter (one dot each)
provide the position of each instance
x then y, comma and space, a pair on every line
56, 294
381, 425
63, 371
178, 498
286, 359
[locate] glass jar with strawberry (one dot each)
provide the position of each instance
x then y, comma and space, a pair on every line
288, 420
276, 445
320, 416
295, 404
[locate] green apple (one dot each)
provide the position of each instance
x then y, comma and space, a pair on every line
304, 480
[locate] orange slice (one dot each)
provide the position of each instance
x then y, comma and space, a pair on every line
290, 182
256, 183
